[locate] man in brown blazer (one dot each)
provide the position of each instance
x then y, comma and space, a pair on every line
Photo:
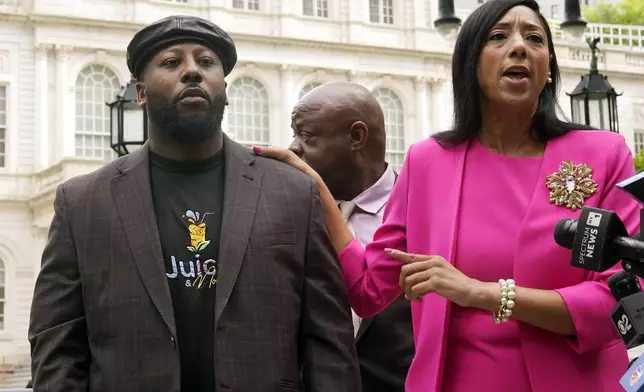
191, 264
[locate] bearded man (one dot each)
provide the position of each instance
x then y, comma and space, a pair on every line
190, 264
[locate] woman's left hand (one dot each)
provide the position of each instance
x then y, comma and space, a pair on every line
424, 274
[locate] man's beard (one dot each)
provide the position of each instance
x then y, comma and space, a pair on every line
186, 129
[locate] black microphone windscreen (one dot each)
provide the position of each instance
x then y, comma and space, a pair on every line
565, 231
622, 284
619, 276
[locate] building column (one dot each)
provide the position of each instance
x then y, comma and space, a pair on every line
439, 117
44, 147
65, 142
344, 18
433, 11
422, 116
284, 136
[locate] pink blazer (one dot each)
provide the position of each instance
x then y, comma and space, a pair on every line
421, 217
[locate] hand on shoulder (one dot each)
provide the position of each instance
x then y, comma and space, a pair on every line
289, 157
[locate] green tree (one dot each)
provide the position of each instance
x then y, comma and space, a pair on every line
639, 161
627, 12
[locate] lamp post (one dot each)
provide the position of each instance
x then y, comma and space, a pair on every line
447, 22
128, 121
574, 24
594, 101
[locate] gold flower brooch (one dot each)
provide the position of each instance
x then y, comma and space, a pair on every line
571, 185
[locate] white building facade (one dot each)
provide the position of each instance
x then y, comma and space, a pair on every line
551, 9
60, 63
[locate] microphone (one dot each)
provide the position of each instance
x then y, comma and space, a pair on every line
598, 240
632, 380
628, 315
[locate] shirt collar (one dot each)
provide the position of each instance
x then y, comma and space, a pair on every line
372, 199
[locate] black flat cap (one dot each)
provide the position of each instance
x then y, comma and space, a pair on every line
175, 29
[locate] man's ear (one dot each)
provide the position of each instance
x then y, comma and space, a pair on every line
140, 94
359, 133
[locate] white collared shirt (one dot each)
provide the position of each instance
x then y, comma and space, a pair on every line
370, 207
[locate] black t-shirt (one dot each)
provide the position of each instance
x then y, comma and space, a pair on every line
188, 204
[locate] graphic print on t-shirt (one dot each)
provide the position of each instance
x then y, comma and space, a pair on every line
198, 271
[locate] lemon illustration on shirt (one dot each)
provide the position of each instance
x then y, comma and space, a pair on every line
197, 230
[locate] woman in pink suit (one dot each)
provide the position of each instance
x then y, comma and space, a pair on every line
468, 230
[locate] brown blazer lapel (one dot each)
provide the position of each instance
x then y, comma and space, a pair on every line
241, 193
132, 194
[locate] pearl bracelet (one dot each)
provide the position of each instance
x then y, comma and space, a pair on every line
508, 295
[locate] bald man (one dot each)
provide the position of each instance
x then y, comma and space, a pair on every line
339, 130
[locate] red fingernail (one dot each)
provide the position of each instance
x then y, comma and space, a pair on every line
257, 149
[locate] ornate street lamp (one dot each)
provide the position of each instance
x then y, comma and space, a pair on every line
574, 24
447, 23
594, 100
128, 121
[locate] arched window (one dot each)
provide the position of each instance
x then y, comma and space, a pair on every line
248, 112
96, 84
394, 125
308, 87
3, 294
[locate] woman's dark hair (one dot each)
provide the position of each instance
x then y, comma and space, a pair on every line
467, 107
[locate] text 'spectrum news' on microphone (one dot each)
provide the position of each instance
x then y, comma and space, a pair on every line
628, 315
598, 240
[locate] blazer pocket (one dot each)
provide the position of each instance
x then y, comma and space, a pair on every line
291, 385
275, 238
